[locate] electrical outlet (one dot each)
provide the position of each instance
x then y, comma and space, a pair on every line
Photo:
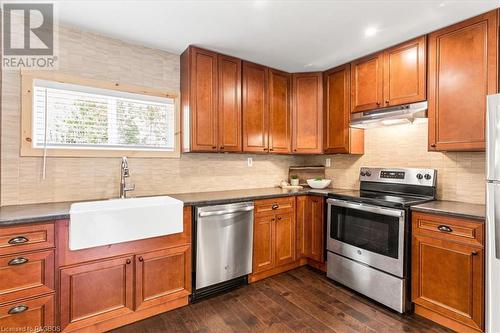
249, 161
328, 162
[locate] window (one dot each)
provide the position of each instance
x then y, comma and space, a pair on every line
72, 119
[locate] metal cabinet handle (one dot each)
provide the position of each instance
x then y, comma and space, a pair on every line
18, 240
444, 228
474, 253
141, 259
275, 206
128, 261
18, 309
18, 261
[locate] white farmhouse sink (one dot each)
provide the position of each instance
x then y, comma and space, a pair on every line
115, 221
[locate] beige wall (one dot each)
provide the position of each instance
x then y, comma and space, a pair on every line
69, 179
461, 176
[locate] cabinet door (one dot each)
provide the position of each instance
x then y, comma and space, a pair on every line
448, 279
367, 83
284, 246
279, 112
28, 314
315, 212
307, 113
95, 292
462, 71
338, 136
203, 104
255, 108
263, 243
229, 103
300, 221
404, 73
162, 276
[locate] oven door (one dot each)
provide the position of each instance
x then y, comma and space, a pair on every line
366, 233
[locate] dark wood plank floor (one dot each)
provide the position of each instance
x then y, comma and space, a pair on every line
302, 300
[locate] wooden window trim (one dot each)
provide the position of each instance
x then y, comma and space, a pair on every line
27, 149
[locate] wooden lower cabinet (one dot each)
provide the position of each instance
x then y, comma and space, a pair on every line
448, 272
96, 292
311, 228
162, 276
274, 244
29, 315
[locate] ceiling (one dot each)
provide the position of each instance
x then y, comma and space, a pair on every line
293, 35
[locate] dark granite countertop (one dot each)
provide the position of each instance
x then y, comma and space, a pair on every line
18, 214
453, 208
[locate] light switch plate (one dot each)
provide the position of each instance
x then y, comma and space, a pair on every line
249, 161
328, 162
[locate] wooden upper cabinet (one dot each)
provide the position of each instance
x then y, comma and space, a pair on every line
199, 98
229, 103
462, 70
404, 73
255, 107
307, 113
367, 83
338, 136
279, 112
211, 101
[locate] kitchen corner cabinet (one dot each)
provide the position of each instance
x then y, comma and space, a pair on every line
338, 136
307, 113
274, 243
448, 278
392, 77
462, 70
310, 227
266, 109
210, 101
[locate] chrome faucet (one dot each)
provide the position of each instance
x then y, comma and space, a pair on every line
125, 173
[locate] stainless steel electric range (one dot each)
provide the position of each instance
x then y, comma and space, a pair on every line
368, 239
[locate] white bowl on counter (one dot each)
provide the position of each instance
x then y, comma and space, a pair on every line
319, 184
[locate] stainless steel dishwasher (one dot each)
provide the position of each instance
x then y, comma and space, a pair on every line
223, 252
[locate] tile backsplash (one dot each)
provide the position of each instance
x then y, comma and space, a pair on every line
460, 175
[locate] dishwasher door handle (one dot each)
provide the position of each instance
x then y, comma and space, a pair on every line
225, 212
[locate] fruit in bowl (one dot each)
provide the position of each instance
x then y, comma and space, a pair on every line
319, 183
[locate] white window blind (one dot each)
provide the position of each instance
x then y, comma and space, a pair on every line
70, 116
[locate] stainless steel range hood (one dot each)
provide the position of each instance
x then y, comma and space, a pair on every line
400, 114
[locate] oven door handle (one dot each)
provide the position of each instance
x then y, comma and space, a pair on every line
366, 208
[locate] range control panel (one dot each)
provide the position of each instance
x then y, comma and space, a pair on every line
392, 174
409, 176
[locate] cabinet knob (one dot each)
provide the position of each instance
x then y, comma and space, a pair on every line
18, 309
378, 103
386, 102
265, 149
275, 206
141, 259
444, 228
128, 261
222, 147
433, 145
18, 261
214, 147
279, 218
271, 149
474, 253
18, 240
273, 219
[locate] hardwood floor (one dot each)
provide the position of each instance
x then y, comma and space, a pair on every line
302, 300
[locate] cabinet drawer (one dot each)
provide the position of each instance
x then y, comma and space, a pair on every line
272, 206
26, 274
450, 228
26, 238
30, 315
